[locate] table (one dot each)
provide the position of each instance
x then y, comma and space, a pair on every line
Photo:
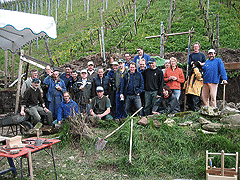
24, 154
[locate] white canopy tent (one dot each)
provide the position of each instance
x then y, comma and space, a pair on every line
19, 28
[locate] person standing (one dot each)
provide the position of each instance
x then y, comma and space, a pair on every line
153, 84
56, 87
103, 81
90, 70
212, 70
127, 59
83, 91
67, 76
30, 104
131, 87
197, 55
141, 55
193, 86
118, 75
74, 79
174, 77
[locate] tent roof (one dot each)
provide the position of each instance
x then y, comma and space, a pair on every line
19, 28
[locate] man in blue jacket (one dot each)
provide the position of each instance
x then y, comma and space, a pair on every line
131, 86
67, 76
141, 55
67, 108
212, 70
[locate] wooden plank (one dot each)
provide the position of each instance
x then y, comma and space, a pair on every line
172, 34
227, 172
14, 141
233, 65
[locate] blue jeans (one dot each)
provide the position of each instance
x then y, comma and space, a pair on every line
120, 107
176, 93
150, 101
133, 100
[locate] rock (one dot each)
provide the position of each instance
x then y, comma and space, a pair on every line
207, 132
202, 120
233, 120
229, 110
143, 121
170, 122
209, 111
187, 123
212, 127
157, 123
196, 125
238, 106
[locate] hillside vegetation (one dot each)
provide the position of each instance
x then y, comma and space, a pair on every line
79, 36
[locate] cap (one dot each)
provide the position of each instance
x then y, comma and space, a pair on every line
35, 80
114, 63
120, 61
90, 63
139, 48
152, 60
99, 89
68, 66
211, 51
84, 71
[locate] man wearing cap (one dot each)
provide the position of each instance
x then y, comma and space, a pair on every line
212, 70
56, 87
118, 75
67, 76
110, 74
100, 105
67, 108
197, 55
127, 59
91, 73
28, 82
153, 85
141, 55
83, 91
30, 104
131, 86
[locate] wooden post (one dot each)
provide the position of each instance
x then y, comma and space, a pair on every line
5, 69
217, 32
206, 160
103, 45
207, 9
100, 42
87, 9
30, 164
222, 163
19, 82
56, 11
67, 9
162, 41
13, 64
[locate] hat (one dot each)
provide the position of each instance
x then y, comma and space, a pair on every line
36, 80
139, 48
120, 61
114, 63
99, 89
152, 60
90, 63
84, 71
211, 51
68, 66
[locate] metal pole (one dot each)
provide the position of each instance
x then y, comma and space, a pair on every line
67, 9
104, 60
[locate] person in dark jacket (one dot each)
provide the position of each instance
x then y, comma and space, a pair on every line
131, 87
103, 81
67, 76
167, 104
153, 84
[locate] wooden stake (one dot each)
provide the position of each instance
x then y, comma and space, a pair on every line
162, 41
13, 64
30, 164
5, 78
222, 163
130, 149
19, 82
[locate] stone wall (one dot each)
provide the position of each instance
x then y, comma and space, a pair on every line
7, 101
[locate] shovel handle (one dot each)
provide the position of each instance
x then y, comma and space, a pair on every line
122, 124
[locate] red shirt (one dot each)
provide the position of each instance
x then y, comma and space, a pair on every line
178, 73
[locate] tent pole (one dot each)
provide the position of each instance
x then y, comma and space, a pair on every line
19, 82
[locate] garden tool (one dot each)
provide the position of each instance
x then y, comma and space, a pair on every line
100, 143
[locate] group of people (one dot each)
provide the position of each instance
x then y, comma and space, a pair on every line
124, 88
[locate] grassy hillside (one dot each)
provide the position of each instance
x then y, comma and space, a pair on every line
78, 37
